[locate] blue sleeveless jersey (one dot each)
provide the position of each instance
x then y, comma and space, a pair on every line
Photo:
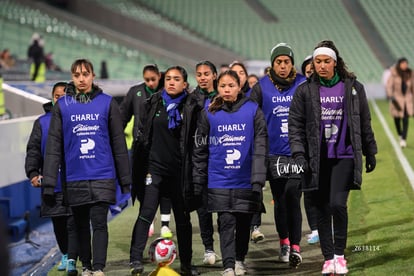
231, 147
275, 106
44, 121
88, 152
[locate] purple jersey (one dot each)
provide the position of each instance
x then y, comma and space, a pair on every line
334, 122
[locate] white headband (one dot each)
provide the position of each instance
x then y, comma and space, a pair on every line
324, 51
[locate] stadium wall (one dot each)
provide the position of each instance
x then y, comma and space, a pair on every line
17, 196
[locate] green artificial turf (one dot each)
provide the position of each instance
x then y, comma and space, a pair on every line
381, 236
380, 232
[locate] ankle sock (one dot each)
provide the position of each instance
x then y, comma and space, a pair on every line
284, 242
295, 247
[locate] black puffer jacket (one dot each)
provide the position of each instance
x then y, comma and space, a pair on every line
304, 128
34, 159
233, 200
133, 105
89, 191
34, 164
190, 109
194, 104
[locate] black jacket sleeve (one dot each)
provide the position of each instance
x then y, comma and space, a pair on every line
34, 159
126, 107
296, 122
256, 94
260, 149
119, 148
54, 152
369, 145
201, 150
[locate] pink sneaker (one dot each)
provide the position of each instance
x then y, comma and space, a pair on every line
328, 267
340, 265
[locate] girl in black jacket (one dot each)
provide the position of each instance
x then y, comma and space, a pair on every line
229, 159
133, 107
162, 131
206, 76
329, 131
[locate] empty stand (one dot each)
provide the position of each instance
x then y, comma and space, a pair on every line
394, 22
233, 25
67, 42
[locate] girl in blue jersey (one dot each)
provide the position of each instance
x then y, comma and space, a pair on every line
61, 215
274, 94
87, 138
241, 71
229, 159
329, 131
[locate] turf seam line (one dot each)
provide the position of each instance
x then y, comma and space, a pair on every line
400, 155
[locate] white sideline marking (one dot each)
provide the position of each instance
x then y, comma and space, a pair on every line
404, 162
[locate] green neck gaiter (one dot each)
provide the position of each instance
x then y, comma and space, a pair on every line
331, 82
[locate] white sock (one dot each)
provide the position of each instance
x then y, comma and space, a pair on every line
314, 232
165, 218
338, 256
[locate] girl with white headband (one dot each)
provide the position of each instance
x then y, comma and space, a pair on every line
329, 131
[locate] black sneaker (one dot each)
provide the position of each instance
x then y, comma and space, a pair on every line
189, 270
295, 259
136, 268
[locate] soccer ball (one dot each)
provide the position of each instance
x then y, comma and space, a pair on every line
162, 252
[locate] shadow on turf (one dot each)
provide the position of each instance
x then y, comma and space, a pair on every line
363, 231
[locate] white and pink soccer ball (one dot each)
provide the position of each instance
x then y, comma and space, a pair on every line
162, 252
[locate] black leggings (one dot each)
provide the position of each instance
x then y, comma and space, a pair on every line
162, 185
402, 130
287, 212
311, 211
65, 233
331, 202
95, 214
234, 230
205, 220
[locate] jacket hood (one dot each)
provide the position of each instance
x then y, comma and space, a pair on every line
47, 107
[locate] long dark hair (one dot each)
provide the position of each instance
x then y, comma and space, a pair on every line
341, 67
212, 68
218, 101
154, 68
245, 87
404, 74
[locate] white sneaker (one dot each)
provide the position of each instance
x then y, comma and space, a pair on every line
87, 272
403, 143
240, 268
228, 272
209, 257
166, 232
340, 265
256, 235
284, 253
328, 267
98, 273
